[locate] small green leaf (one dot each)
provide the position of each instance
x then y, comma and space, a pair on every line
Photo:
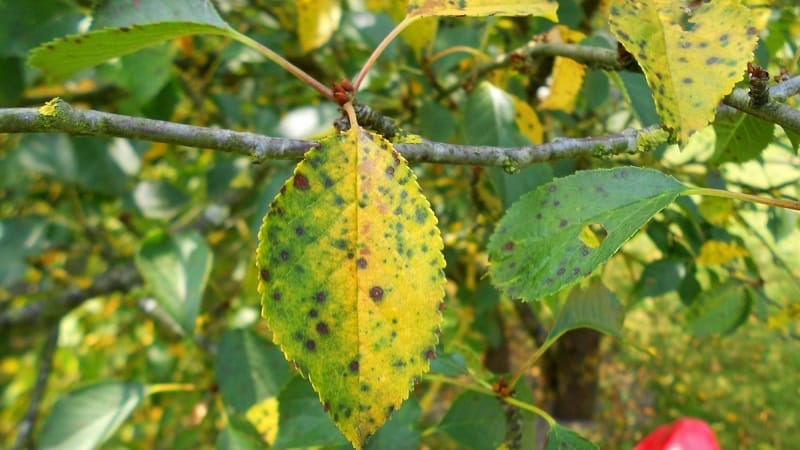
542, 8
562, 438
489, 118
740, 138
593, 307
303, 423
176, 270
249, 369
719, 38
475, 421
239, 434
120, 13
659, 277
86, 417
718, 310
794, 139
536, 249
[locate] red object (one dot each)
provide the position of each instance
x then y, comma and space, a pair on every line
683, 434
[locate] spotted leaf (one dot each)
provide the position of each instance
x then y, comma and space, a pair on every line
351, 270
690, 67
537, 248
542, 8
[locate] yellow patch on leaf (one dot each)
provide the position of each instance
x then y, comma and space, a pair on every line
527, 121
714, 253
541, 8
688, 69
264, 417
567, 75
316, 22
351, 278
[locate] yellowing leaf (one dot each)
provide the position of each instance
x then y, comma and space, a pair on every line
713, 253
527, 121
419, 35
264, 417
316, 22
567, 74
542, 8
688, 70
351, 278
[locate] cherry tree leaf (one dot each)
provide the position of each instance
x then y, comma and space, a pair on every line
689, 69
542, 8
539, 245
154, 22
351, 278
316, 22
741, 137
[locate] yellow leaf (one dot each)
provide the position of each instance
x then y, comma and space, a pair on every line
688, 70
419, 35
316, 22
714, 253
717, 210
264, 417
541, 8
567, 75
351, 278
527, 121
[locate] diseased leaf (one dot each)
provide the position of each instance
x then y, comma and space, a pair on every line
475, 421
176, 270
351, 284
542, 8
562, 438
316, 22
594, 307
740, 138
688, 69
86, 417
264, 417
536, 249
136, 25
527, 121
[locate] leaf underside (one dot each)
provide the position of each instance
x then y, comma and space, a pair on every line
537, 247
351, 278
688, 69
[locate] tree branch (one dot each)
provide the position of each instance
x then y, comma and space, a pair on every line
61, 117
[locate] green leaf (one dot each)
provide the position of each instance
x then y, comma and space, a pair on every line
489, 118
401, 431
142, 74
794, 139
475, 421
20, 237
156, 199
659, 277
562, 438
542, 8
239, 434
303, 423
86, 417
24, 25
351, 284
718, 310
634, 87
249, 369
450, 364
137, 25
719, 38
536, 249
592, 307
740, 138
176, 270
120, 13
12, 80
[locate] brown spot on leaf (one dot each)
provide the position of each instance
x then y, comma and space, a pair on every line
322, 328
508, 246
353, 366
284, 255
320, 297
265, 275
376, 293
301, 182
299, 231
361, 263
311, 345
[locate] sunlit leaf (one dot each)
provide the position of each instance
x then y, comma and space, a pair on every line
136, 25
689, 69
527, 121
567, 74
542, 8
475, 421
264, 416
419, 35
718, 252
176, 269
593, 307
489, 118
562, 438
351, 278
740, 138
536, 248
86, 417
316, 22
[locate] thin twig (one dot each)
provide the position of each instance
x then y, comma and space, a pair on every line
26, 427
64, 118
